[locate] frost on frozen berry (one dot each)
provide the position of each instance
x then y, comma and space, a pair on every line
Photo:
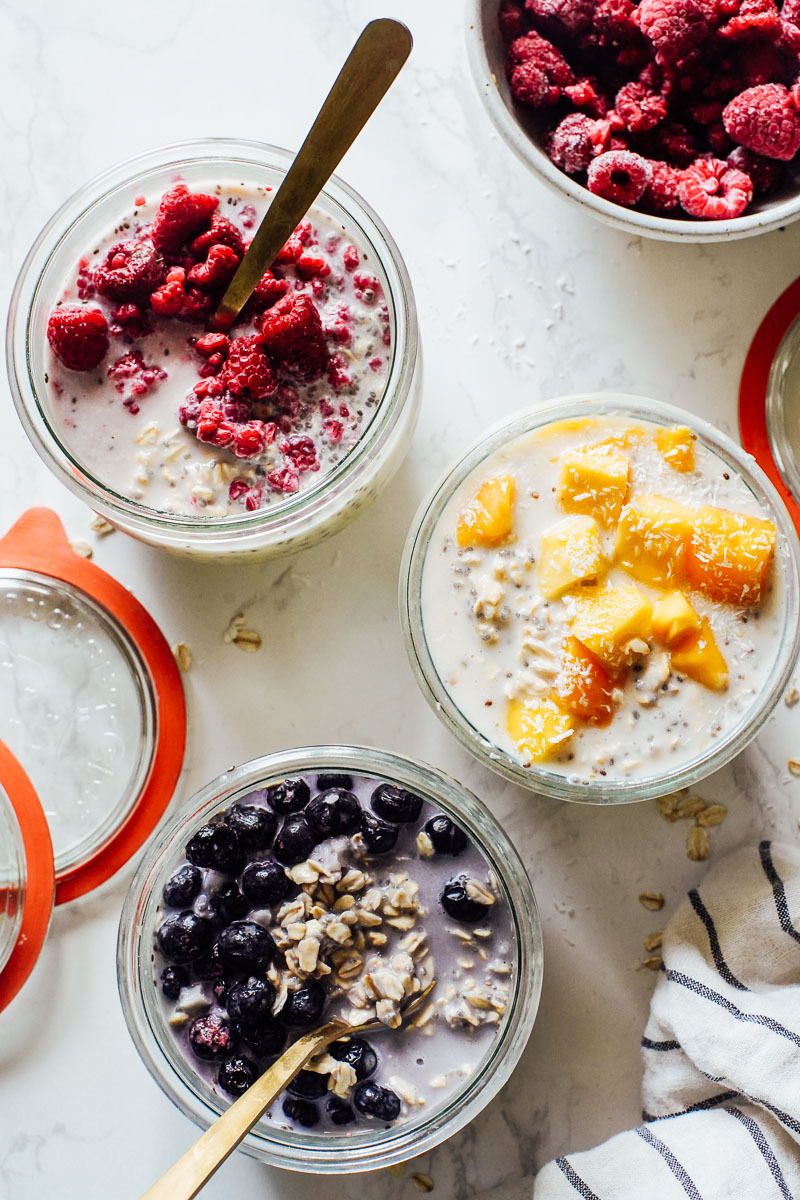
613, 21
710, 190
661, 194
537, 71
640, 107
293, 336
130, 271
181, 216
675, 27
510, 19
562, 16
765, 120
619, 176
78, 337
753, 18
573, 143
133, 378
767, 174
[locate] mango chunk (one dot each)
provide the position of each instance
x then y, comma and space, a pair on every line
729, 555
673, 617
571, 553
676, 447
583, 686
610, 620
652, 539
593, 482
538, 727
699, 657
488, 518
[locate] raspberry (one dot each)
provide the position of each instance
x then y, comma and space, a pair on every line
221, 232
765, 120
248, 370
620, 176
661, 194
366, 288
133, 378
218, 269
674, 27
237, 409
510, 19
334, 429
573, 143
613, 20
249, 440
78, 337
712, 191
285, 480
187, 304
181, 215
301, 453
755, 18
130, 321
212, 427
212, 343
639, 107
84, 282
537, 71
350, 258
766, 173
584, 95
294, 247
189, 411
238, 489
310, 266
673, 142
293, 336
566, 16
761, 62
130, 271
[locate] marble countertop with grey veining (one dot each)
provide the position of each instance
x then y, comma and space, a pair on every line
521, 298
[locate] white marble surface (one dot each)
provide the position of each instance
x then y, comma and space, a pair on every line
520, 299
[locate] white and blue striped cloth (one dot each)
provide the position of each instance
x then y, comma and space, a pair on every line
721, 1086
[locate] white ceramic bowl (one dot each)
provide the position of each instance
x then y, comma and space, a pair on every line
487, 54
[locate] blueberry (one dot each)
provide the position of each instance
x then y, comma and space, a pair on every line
333, 780
172, 980
447, 837
267, 1037
212, 1037
227, 902
339, 1112
251, 1000
302, 1111
246, 946
458, 904
333, 812
266, 882
376, 1101
309, 1085
303, 1007
183, 886
358, 1054
216, 846
394, 803
379, 836
295, 841
184, 937
210, 966
289, 796
236, 1075
253, 824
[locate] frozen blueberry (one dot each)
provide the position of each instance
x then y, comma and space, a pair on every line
459, 905
172, 980
394, 803
333, 780
246, 946
376, 1101
212, 1037
333, 812
266, 882
289, 796
253, 824
236, 1075
379, 836
358, 1054
295, 841
216, 846
210, 966
303, 1007
183, 886
339, 1111
184, 936
447, 837
302, 1111
227, 902
251, 1000
267, 1037
309, 1085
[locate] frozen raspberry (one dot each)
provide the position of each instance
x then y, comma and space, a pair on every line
639, 107
218, 269
267, 292
366, 288
248, 371
334, 429
765, 120
172, 299
620, 176
84, 282
338, 376
253, 499
762, 62
294, 337
674, 27
238, 489
537, 71
721, 145
221, 232
573, 143
613, 20
249, 440
661, 194
129, 321
78, 337
350, 258
134, 378
294, 247
767, 174
710, 190
673, 142
564, 16
285, 480
510, 19
130, 271
309, 266
238, 409
755, 18
584, 95
212, 343
181, 216
212, 426
189, 411
301, 452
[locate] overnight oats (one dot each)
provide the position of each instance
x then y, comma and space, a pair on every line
603, 599
337, 893
264, 437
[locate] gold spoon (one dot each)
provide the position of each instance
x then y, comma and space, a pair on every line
192, 1171
371, 68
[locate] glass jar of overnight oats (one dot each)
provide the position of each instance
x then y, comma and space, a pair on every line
379, 912
600, 599
298, 447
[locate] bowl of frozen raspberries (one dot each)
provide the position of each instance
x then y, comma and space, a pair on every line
675, 119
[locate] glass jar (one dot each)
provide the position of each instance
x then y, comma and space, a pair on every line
537, 776
12, 879
365, 1148
296, 521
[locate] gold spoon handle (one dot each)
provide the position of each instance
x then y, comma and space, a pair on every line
372, 66
191, 1172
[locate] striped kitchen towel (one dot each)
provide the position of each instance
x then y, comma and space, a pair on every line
721, 1087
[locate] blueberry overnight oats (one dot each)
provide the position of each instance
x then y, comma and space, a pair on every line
329, 895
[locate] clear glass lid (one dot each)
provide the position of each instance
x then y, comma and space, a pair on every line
12, 878
783, 409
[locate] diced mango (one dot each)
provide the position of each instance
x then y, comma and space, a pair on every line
729, 555
538, 727
571, 553
610, 620
488, 518
583, 686
673, 617
676, 447
593, 482
652, 538
699, 657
